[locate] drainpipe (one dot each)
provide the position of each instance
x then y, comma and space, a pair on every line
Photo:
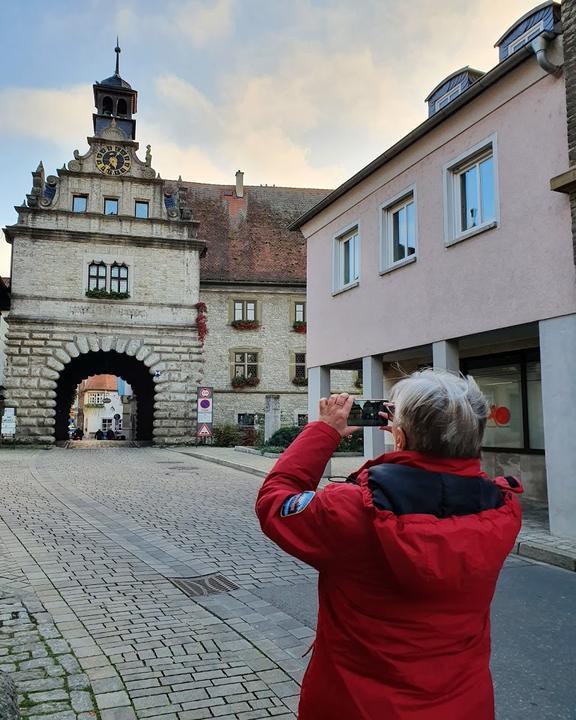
539, 46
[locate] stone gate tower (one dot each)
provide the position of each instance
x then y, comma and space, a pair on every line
105, 279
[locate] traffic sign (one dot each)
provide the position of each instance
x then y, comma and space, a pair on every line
205, 392
204, 430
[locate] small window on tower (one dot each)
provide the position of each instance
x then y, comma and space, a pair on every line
122, 107
141, 209
79, 203
107, 106
110, 206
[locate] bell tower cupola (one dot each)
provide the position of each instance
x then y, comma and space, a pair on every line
115, 103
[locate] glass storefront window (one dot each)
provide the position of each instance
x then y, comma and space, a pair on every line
502, 386
534, 400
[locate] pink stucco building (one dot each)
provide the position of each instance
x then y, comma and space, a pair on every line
450, 249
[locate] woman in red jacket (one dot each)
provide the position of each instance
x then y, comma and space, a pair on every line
409, 551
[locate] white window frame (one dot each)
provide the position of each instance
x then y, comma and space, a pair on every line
342, 236
244, 310
452, 171
521, 40
301, 303
120, 279
387, 211
449, 96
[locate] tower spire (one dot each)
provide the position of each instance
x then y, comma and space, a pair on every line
117, 51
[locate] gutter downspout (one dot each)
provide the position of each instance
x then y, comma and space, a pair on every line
540, 45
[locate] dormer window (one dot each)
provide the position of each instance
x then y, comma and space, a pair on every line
451, 87
447, 97
543, 19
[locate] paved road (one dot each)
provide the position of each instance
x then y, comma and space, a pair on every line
87, 541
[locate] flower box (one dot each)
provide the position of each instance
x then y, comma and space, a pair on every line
104, 294
242, 382
300, 382
299, 327
245, 324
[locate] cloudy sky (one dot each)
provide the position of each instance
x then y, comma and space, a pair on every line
297, 92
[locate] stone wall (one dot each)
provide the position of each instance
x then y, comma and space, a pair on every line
275, 341
3, 329
37, 353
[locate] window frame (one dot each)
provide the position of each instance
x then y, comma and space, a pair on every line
387, 210
452, 198
295, 307
80, 196
519, 357
455, 91
244, 310
522, 40
119, 280
245, 363
112, 199
142, 202
341, 237
98, 276
106, 420
301, 364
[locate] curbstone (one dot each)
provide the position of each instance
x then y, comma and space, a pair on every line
8, 699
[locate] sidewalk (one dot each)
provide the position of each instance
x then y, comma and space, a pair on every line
534, 541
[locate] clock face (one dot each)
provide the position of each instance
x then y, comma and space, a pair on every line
112, 160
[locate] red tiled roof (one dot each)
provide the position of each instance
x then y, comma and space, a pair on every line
100, 382
248, 238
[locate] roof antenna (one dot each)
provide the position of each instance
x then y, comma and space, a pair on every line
117, 51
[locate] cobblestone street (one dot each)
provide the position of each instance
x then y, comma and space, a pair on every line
92, 627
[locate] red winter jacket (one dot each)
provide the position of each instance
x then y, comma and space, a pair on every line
409, 555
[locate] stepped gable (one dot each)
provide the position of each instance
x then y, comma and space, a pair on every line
247, 237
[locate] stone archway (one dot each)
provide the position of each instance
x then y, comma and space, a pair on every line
43, 363
111, 362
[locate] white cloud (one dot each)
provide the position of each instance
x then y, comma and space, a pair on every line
52, 115
204, 22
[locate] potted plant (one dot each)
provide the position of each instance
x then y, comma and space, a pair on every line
238, 381
299, 326
245, 324
300, 381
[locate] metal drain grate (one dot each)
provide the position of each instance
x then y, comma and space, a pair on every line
204, 585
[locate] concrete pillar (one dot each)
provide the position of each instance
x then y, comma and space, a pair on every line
373, 388
445, 355
557, 352
318, 387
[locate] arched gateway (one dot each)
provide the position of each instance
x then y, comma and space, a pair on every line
105, 279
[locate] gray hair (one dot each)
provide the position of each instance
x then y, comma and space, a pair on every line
441, 413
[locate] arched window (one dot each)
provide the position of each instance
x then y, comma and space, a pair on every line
97, 276
107, 106
118, 278
122, 107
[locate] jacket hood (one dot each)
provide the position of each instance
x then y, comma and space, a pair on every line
440, 523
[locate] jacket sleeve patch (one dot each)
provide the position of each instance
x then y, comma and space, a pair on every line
296, 503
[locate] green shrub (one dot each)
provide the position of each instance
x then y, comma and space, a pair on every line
283, 437
226, 436
353, 443
271, 449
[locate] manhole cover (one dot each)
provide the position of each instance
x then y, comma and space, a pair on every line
205, 585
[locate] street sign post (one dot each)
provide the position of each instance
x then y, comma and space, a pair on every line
204, 413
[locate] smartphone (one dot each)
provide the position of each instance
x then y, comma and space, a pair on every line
365, 413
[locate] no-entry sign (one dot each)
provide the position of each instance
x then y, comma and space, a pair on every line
204, 412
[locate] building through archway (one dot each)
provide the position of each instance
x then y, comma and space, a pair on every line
133, 371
